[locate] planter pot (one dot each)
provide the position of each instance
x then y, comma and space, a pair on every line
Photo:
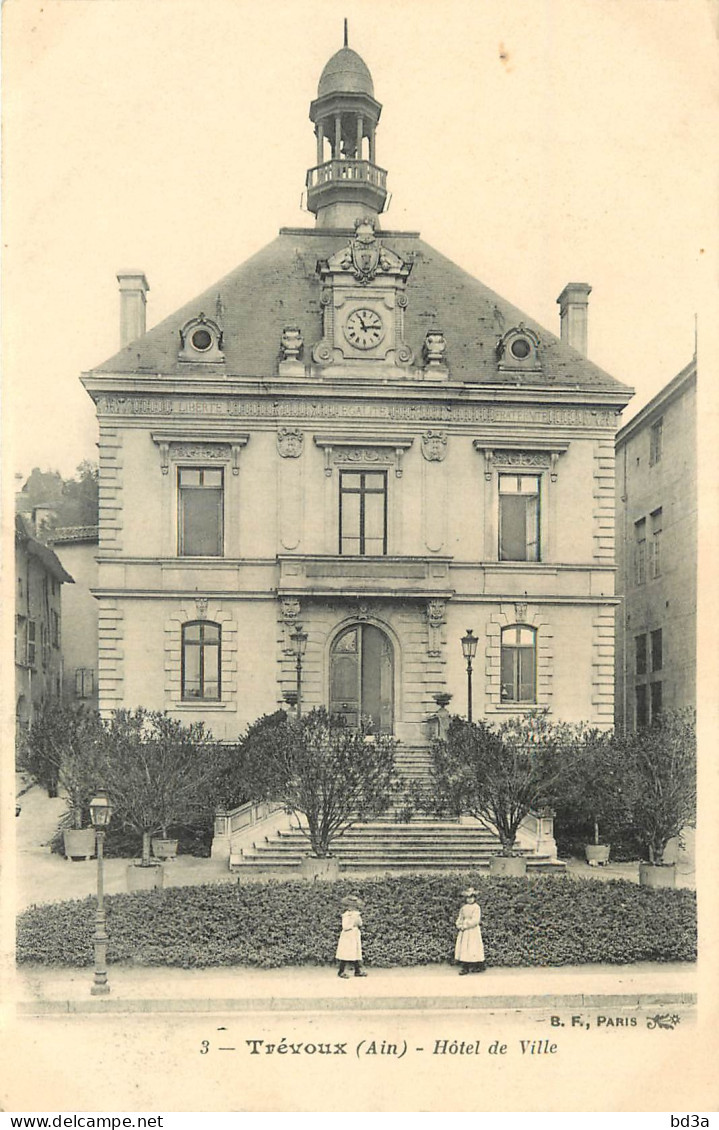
164, 849
597, 854
508, 866
141, 878
657, 875
313, 868
79, 843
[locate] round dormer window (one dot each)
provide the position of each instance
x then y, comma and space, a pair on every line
201, 340
520, 348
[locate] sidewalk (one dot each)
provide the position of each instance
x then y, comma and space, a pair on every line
41, 990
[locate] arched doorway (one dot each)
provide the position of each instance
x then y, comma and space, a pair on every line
362, 677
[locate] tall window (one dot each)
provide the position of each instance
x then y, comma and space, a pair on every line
640, 652
655, 442
657, 650
84, 682
519, 518
519, 665
201, 661
31, 643
200, 508
363, 513
656, 559
642, 715
640, 551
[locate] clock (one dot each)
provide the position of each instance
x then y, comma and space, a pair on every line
364, 328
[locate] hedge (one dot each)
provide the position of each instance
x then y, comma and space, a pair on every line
408, 920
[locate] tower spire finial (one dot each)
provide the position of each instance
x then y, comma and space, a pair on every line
346, 33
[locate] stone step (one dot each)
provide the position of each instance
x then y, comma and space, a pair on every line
258, 865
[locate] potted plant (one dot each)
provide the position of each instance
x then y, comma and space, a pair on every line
63, 751
160, 774
498, 775
595, 786
329, 775
662, 760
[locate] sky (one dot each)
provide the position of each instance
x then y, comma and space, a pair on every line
534, 142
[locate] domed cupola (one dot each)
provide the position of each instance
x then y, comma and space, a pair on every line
346, 182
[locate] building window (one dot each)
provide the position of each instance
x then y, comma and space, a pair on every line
363, 513
655, 690
657, 650
655, 442
31, 643
200, 492
55, 621
201, 661
519, 664
640, 655
519, 517
640, 551
656, 559
641, 717
84, 682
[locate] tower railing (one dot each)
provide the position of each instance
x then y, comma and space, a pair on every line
347, 169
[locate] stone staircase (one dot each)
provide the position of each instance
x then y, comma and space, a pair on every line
388, 845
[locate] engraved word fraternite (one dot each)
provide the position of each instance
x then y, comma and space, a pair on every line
351, 433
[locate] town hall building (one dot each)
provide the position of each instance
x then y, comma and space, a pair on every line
351, 434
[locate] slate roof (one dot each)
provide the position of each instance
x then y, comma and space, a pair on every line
65, 535
279, 286
42, 552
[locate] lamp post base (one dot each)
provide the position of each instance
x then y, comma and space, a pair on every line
100, 990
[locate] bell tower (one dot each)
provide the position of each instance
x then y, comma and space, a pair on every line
345, 182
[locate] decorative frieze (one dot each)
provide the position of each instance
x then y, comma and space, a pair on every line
407, 411
353, 449
525, 455
189, 445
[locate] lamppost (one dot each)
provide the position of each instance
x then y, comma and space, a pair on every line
469, 650
290, 697
299, 643
100, 813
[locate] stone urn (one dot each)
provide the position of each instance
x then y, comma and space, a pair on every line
79, 843
657, 875
508, 866
141, 878
316, 868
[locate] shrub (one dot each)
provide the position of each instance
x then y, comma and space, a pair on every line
408, 920
64, 748
317, 767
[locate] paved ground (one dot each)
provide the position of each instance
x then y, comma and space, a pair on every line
43, 877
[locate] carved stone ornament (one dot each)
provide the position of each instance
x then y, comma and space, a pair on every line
520, 611
290, 442
289, 611
434, 348
201, 605
206, 452
521, 459
434, 446
291, 343
365, 256
435, 619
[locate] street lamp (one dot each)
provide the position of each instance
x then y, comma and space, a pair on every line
299, 643
469, 650
100, 813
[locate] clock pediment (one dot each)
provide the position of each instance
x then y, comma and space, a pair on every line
363, 302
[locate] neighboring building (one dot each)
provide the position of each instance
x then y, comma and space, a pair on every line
76, 547
39, 576
657, 555
351, 433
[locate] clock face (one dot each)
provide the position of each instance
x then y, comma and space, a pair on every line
364, 328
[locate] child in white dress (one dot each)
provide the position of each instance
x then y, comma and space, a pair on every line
469, 950
349, 946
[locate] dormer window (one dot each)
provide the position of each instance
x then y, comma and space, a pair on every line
518, 350
201, 341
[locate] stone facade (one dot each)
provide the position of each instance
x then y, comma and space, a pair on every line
357, 417
39, 577
656, 625
76, 547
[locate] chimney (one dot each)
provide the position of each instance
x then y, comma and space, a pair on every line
133, 288
573, 303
